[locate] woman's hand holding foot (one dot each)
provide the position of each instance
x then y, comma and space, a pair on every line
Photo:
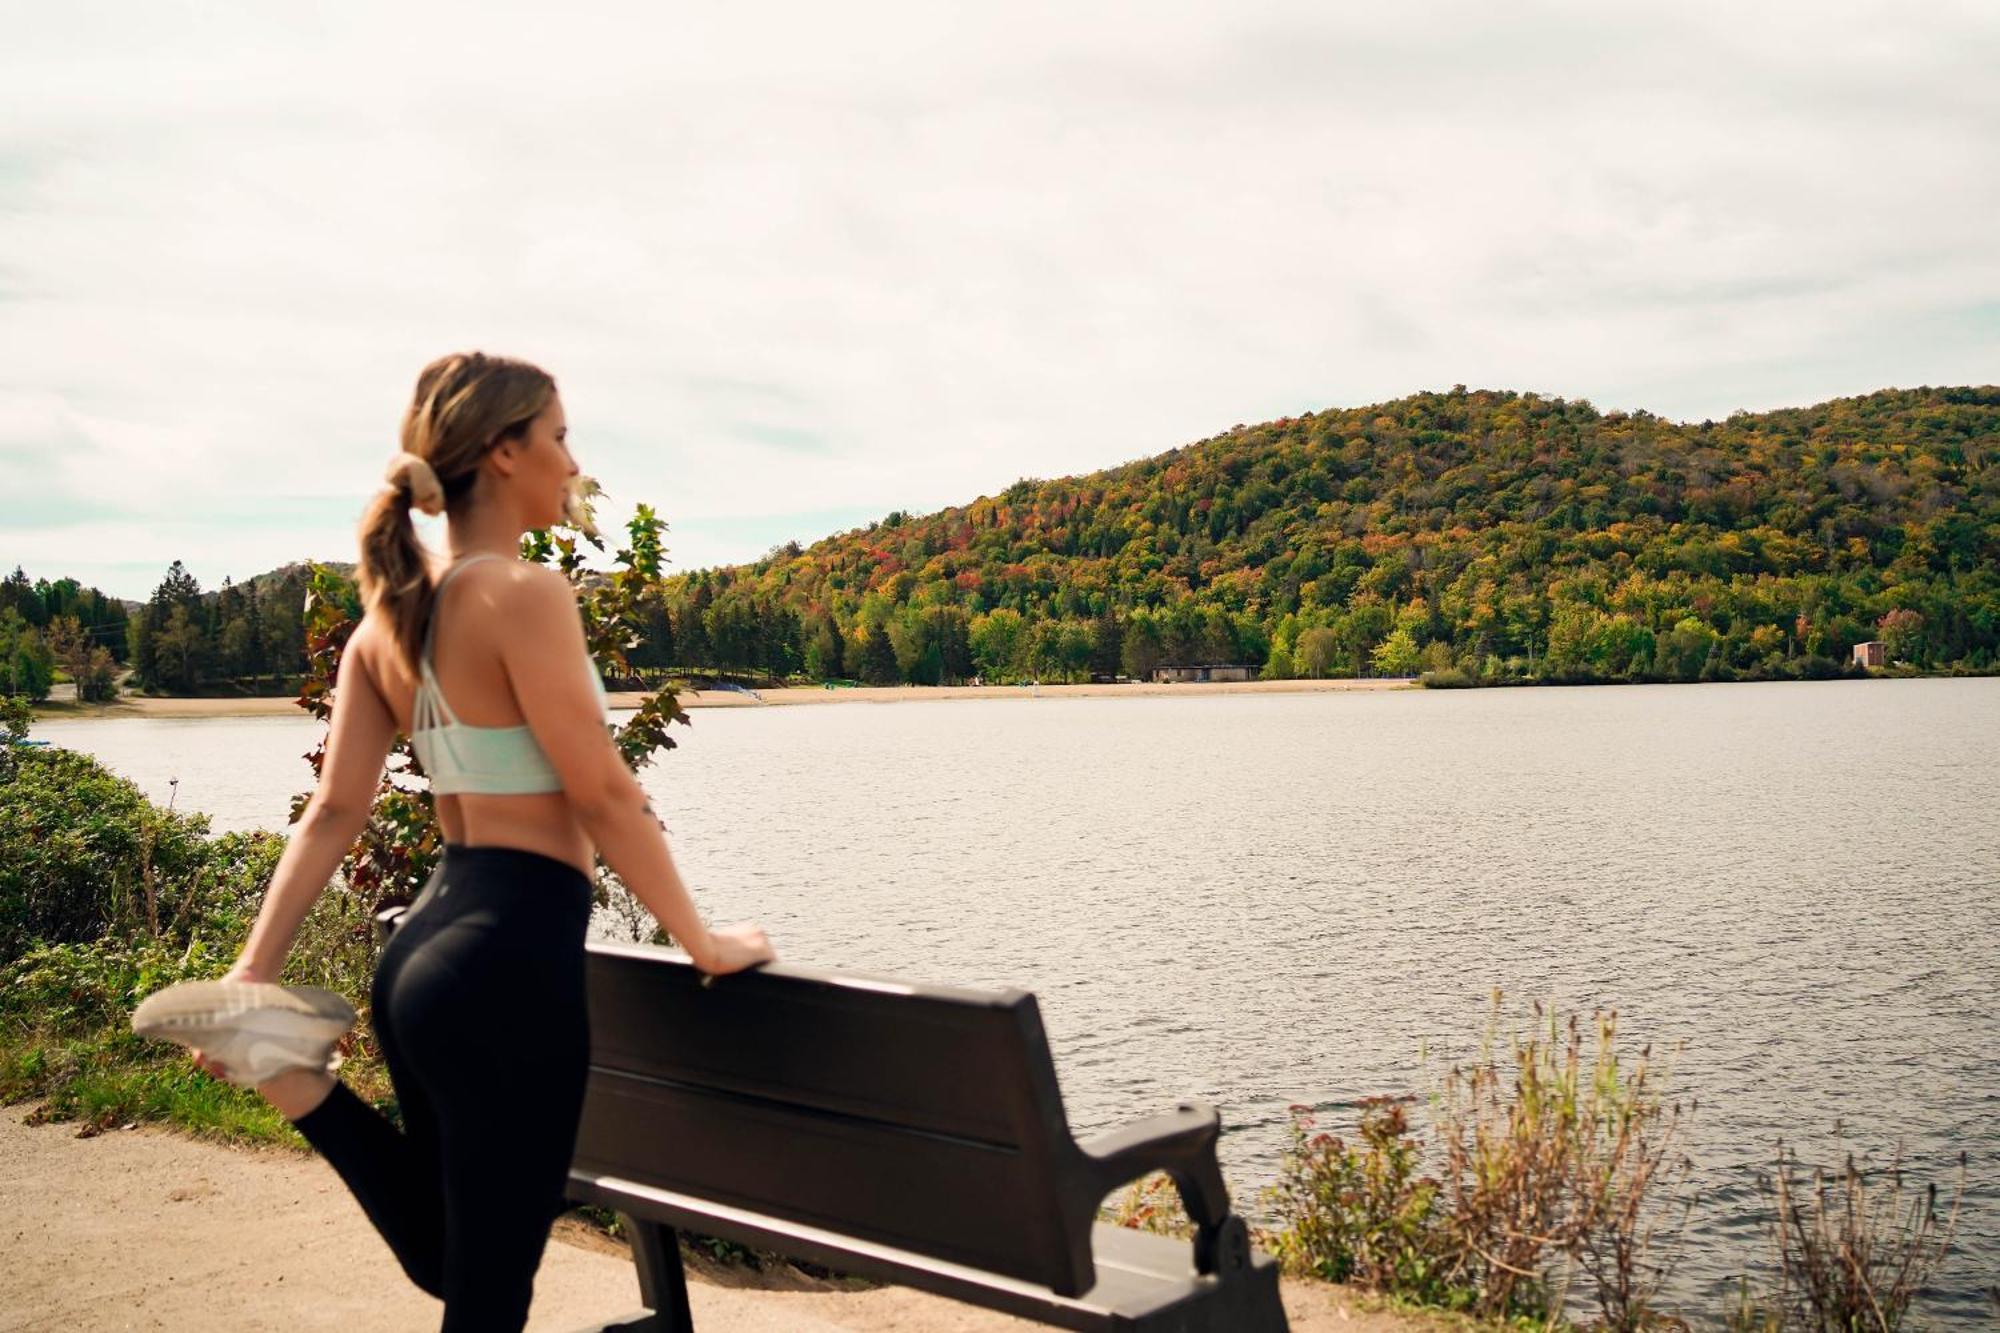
294, 1092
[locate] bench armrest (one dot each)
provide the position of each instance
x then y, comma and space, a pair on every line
1181, 1143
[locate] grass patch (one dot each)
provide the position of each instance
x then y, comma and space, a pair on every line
108, 1079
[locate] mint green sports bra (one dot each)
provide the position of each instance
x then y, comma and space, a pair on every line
494, 761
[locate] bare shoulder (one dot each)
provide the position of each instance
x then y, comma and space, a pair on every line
532, 596
365, 644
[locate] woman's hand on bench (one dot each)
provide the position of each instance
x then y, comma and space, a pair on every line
733, 948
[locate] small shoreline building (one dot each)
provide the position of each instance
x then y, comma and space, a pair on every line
1871, 654
1184, 675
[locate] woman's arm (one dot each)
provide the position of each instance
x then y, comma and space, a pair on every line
357, 746
547, 665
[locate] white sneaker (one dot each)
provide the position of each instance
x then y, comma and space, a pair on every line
253, 1029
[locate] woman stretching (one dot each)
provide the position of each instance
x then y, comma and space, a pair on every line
478, 997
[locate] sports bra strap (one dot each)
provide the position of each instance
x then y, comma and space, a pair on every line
429, 706
437, 595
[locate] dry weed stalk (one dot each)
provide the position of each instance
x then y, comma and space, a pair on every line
1563, 1164
1630, 1200
1850, 1258
1151, 1203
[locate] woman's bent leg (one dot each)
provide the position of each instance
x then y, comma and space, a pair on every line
398, 1184
396, 1176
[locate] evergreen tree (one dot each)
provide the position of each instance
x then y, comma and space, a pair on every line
17, 593
878, 659
1107, 644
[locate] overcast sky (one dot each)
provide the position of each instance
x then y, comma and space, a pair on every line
796, 266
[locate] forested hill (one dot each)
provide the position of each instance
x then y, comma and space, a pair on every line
1491, 536
1497, 534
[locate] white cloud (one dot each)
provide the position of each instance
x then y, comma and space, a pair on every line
804, 260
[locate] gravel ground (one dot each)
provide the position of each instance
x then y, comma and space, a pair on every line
147, 1228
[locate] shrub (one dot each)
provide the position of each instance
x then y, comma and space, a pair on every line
1560, 1157
64, 1010
84, 854
74, 988
1364, 1214
105, 897
401, 843
16, 715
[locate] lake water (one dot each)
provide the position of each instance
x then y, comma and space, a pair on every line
1260, 900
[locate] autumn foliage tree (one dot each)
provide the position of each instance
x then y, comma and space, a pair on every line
1506, 535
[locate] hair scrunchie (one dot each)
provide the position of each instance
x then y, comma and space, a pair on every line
412, 476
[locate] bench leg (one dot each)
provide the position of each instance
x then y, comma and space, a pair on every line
656, 1250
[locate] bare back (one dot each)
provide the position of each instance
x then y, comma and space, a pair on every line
466, 660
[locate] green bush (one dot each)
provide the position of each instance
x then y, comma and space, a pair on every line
84, 855
65, 1037
106, 898
77, 988
1365, 1214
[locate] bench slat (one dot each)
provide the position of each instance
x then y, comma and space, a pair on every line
956, 1198
1143, 1281
929, 1057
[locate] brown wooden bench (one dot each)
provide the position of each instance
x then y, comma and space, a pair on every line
909, 1133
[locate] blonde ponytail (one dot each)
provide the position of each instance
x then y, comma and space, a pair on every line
464, 404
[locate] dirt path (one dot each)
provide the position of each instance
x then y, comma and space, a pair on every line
149, 1229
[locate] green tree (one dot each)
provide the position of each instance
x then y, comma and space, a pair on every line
919, 658
1107, 644
951, 630
1902, 635
68, 644
825, 656
1318, 652
181, 652
1397, 655
1363, 628
139, 644
24, 598
997, 643
234, 647
28, 665
1683, 651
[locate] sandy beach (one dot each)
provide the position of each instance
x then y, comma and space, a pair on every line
141, 706
147, 1228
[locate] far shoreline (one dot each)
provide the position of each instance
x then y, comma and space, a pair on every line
148, 706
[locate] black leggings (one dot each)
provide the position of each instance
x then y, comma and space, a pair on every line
479, 1008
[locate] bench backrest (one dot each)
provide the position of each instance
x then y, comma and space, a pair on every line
922, 1117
